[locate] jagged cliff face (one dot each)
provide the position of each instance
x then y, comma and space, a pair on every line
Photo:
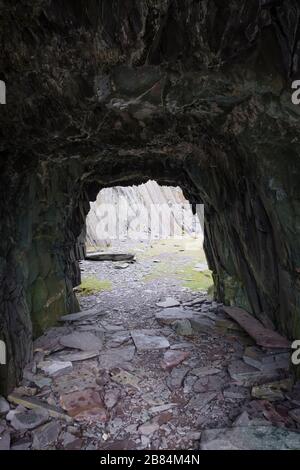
194, 94
144, 212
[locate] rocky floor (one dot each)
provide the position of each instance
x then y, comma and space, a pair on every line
151, 364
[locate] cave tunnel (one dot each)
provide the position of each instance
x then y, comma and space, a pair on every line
189, 94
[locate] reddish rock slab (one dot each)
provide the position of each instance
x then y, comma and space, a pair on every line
173, 358
264, 337
85, 405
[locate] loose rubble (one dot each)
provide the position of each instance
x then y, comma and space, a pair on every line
153, 366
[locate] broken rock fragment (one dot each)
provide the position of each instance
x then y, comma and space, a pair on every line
4, 406
145, 340
45, 436
173, 358
248, 375
28, 419
170, 315
175, 379
85, 405
168, 303
84, 341
55, 368
262, 336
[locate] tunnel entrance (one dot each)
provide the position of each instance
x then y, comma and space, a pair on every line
151, 360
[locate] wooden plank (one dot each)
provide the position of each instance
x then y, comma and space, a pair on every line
35, 404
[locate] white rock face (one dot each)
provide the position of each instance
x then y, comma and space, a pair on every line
143, 212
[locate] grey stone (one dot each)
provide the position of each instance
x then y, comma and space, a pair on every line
21, 445
176, 377
265, 361
45, 436
55, 368
200, 400
204, 371
250, 438
295, 414
183, 327
248, 375
71, 442
100, 256
86, 314
38, 380
29, 419
84, 341
271, 391
147, 429
5, 441
78, 356
116, 357
4, 406
170, 315
210, 383
202, 324
168, 303
162, 408
122, 266
144, 340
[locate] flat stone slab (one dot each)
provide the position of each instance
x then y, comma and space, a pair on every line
38, 405
168, 303
205, 371
173, 358
248, 375
45, 436
200, 400
201, 324
272, 391
28, 419
116, 357
86, 314
265, 361
170, 315
262, 336
99, 256
145, 341
84, 341
79, 356
176, 378
85, 405
55, 368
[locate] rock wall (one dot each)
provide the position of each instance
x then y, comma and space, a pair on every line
195, 94
143, 212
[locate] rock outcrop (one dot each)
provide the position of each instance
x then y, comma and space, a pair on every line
195, 94
144, 212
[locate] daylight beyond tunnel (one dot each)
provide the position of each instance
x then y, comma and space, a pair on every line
189, 94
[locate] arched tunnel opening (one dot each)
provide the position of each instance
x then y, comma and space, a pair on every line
194, 95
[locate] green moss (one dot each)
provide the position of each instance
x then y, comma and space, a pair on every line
92, 285
39, 295
196, 280
191, 246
